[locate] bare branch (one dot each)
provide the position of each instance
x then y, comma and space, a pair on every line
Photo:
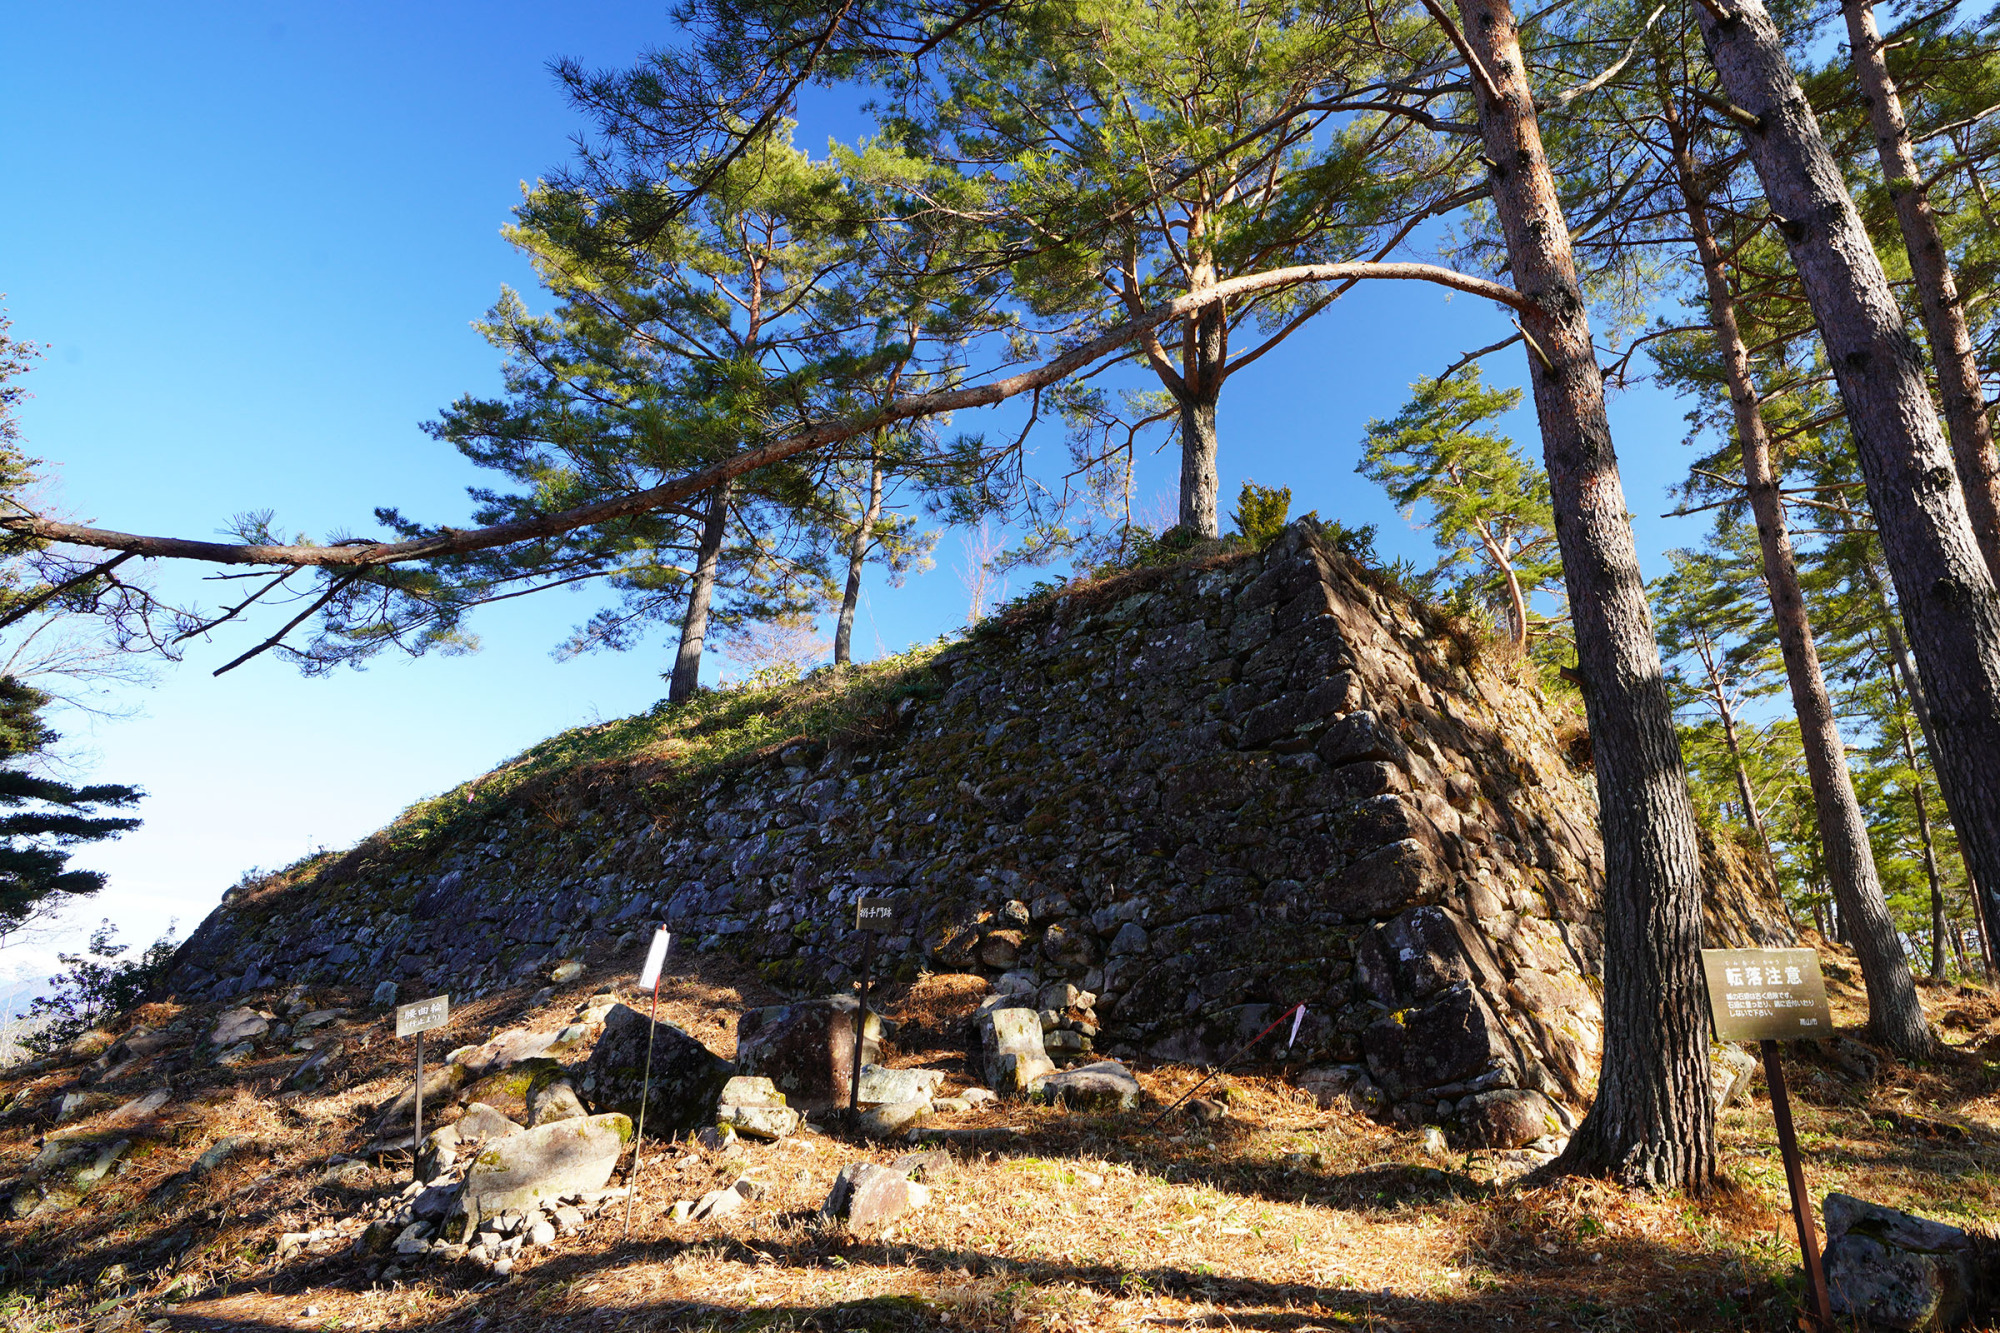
1486, 83
1611, 72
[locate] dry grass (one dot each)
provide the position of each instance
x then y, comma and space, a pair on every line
1278, 1217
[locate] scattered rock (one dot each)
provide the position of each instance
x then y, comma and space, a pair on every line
235, 1055
518, 1171
1206, 1110
1011, 1053
441, 1083
1852, 1059
482, 1123
1508, 1118
556, 1100
566, 971
542, 1233
1344, 1087
1893, 1270
688, 1078
63, 1173
1432, 1142
769, 1123
978, 1096
868, 1197
438, 1153
312, 1072
318, 1018
717, 1203
807, 1049
509, 1048
881, 1122
881, 1086
385, 995
76, 1105
1729, 1071
414, 1239
1105, 1085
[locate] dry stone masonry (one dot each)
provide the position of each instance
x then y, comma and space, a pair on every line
1155, 812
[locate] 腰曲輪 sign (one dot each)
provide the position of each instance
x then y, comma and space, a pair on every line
1766, 994
423, 1015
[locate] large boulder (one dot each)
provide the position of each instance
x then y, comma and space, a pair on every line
1011, 1055
807, 1049
687, 1082
519, 1171
1889, 1269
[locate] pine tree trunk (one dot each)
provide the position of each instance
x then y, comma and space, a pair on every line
1965, 417
1751, 815
1894, 1011
1942, 582
857, 556
1913, 690
1652, 1122
1922, 806
1202, 375
694, 624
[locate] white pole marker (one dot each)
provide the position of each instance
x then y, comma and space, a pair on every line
649, 976
1297, 1019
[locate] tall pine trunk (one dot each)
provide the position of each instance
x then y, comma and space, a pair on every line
1201, 378
1922, 805
1942, 583
857, 557
1652, 1122
1965, 417
694, 623
1894, 1011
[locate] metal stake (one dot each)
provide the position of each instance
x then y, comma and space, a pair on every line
860, 1030
1225, 1064
1795, 1178
645, 1095
418, 1142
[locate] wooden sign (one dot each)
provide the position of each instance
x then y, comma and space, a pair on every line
423, 1015
874, 916
1766, 994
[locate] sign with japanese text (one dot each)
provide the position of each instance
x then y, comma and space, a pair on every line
422, 1016
1766, 994
875, 915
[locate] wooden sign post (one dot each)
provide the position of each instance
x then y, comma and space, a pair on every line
415, 1020
871, 918
649, 978
1768, 996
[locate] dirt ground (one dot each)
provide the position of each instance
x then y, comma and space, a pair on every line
1277, 1217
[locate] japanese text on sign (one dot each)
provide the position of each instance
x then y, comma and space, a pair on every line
422, 1016
874, 914
1766, 994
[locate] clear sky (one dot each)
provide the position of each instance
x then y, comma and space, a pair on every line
255, 236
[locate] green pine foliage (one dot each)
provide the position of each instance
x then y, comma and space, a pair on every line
1485, 504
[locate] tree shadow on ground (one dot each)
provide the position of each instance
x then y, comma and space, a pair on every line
1637, 1285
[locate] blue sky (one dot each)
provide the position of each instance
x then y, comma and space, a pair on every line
255, 237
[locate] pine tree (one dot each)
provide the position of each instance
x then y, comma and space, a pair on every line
1488, 507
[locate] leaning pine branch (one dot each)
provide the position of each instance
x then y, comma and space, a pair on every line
453, 541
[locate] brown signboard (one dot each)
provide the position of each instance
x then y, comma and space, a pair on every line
1766, 994
874, 915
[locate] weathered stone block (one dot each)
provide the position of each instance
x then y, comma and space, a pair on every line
1103, 1086
807, 1049
1897, 1271
687, 1077
522, 1170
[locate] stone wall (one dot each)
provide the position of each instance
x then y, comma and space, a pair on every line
1202, 794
